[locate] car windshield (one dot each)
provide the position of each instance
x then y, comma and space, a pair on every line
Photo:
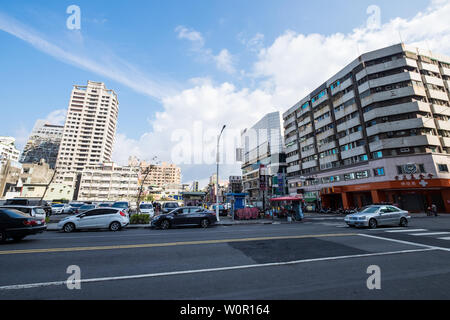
171, 205
87, 207
57, 206
39, 211
76, 205
104, 205
370, 210
146, 206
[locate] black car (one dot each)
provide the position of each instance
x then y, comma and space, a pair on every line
185, 216
17, 225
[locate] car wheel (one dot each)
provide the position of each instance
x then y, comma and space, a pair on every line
3, 236
403, 222
69, 227
165, 224
373, 224
115, 226
204, 223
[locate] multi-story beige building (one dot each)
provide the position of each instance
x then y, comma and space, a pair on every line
109, 182
160, 175
89, 131
377, 131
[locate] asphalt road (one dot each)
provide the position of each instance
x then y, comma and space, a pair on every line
317, 259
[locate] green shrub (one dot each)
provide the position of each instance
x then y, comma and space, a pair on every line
140, 219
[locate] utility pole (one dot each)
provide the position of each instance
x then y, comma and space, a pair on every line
217, 178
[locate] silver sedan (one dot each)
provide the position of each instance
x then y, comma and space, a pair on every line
378, 215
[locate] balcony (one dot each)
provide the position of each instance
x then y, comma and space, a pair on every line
443, 125
304, 121
322, 112
433, 80
397, 109
292, 148
348, 96
393, 94
291, 169
349, 124
327, 146
348, 110
305, 132
289, 121
309, 164
292, 128
350, 138
329, 159
429, 67
291, 139
325, 134
319, 101
323, 123
437, 109
445, 142
301, 111
308, 153
386, 66
293, 158
404, 142
445, 71
307, 142
353, 152
435, 94
395, 78
401, 125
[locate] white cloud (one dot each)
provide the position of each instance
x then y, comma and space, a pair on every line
253, 44
224, 61
57, 117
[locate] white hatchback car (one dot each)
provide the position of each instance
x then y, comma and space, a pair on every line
147, 208
101, 218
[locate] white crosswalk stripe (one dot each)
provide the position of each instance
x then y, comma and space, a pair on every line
446, 238
430, 234
406, 230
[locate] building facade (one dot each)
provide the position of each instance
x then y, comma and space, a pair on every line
160, 175
264, 160
8, 150
377, 131
108, 182
89, 131
43, 143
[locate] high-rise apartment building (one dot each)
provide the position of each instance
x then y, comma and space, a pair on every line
44, 143
8, 150
89, 131
377, 131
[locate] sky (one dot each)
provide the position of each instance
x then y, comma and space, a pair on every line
183, 69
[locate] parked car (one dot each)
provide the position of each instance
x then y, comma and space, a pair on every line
61, 209
169, 206
185, 216
17, 225
105, 205
99, 218
36, 212
124, 205
222, 210
147, 208
36, 202
85, 207
75, 206
378, 215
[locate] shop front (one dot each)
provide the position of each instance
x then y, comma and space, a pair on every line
411, 195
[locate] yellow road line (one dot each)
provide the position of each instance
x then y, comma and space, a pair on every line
156, 245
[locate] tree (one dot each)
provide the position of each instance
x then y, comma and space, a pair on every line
147, 172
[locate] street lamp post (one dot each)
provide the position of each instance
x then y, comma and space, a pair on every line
217, 177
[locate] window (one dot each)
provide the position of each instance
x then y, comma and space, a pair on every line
378, 172
443, 167
377, 155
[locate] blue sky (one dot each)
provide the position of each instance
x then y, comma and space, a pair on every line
144, 35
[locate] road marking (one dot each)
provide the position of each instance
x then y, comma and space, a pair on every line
406, 230
405, 242
429, 234
172, 244
177, 273
446, 238
386, 230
